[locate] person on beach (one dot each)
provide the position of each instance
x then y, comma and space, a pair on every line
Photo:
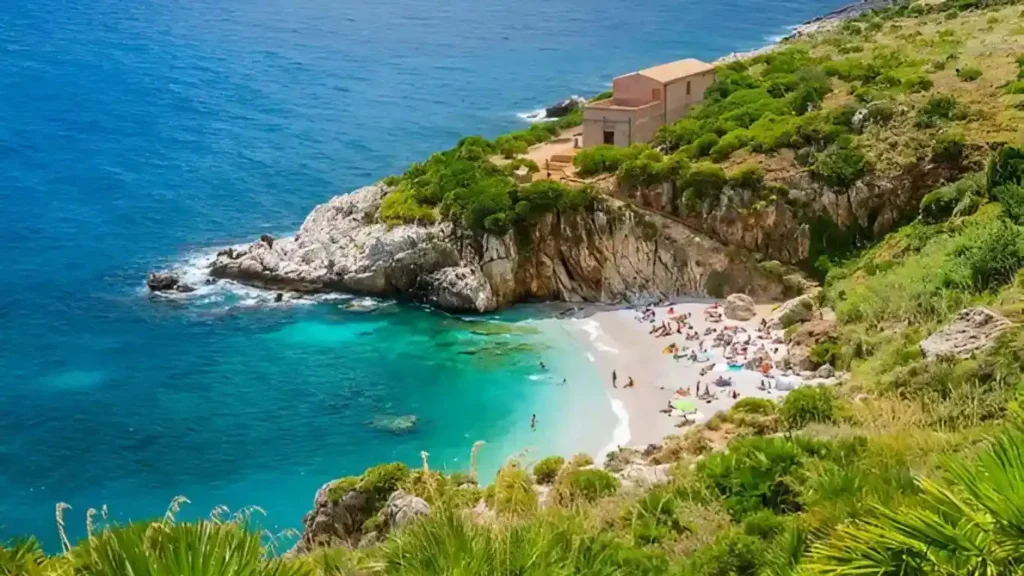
533, 423
630, 383
615, 378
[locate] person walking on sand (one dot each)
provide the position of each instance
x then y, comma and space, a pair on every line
533, 423
615, 378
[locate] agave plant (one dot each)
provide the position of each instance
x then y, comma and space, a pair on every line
969, 523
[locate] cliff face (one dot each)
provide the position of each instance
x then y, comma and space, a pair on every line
780, 231
614, 254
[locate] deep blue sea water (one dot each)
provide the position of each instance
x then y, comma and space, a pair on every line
135, 135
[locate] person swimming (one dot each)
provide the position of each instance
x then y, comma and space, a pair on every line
533, 423
542, 366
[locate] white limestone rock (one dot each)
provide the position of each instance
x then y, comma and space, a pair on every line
971, 330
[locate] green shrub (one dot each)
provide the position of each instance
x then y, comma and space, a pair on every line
949, 147
383, 479
968, 74
510, 147
679, 134
755, 475
917, 83
824, 353
342, 486
401, 207
1011, 196
987, 258
703, 145
730, 143
581, 460
939, 204
806, 405
702, 186
645, 171
485, 205
585, 485
512, 492
1015, 87
547, 469
605, 159
754, 406
841, 165
747, 177
735, 553
1006, 166
938, 108
773, 132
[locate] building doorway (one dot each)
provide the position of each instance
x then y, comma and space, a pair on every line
609, 137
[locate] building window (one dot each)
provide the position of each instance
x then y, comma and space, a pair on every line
656, 94
609, 137
687, 87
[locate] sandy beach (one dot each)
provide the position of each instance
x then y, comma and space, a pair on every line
621, 340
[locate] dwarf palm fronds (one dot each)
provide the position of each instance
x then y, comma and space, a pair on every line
971, 522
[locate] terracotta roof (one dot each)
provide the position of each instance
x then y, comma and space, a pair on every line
666, 73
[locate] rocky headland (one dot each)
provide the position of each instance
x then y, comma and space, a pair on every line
613, 254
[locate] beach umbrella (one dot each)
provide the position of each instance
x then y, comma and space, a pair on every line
684, 405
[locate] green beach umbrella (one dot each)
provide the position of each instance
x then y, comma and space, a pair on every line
684, 405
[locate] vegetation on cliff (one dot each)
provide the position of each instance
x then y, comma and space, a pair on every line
891, 101
913, 466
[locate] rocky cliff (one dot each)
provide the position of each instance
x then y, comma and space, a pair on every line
793, 229
612, 254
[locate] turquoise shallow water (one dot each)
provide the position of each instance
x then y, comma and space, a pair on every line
133, 135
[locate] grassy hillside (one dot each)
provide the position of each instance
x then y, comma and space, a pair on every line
910, 467
845, 129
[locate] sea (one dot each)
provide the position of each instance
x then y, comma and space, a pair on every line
149, 134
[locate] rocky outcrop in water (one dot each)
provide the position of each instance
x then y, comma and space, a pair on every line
166, 282
613, 254
565, 107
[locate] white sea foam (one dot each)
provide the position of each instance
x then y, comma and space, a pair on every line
590, 357
620, 436
538, 115
194, 269
536, 377
594, 332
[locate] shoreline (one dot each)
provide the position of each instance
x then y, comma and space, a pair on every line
617, 340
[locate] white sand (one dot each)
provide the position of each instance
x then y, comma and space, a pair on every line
618, 341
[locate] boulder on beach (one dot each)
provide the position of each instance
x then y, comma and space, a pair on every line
971, 330
739, 307
790, 312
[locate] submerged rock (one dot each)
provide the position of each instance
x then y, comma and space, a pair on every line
739, 307
395, 424
971, 330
